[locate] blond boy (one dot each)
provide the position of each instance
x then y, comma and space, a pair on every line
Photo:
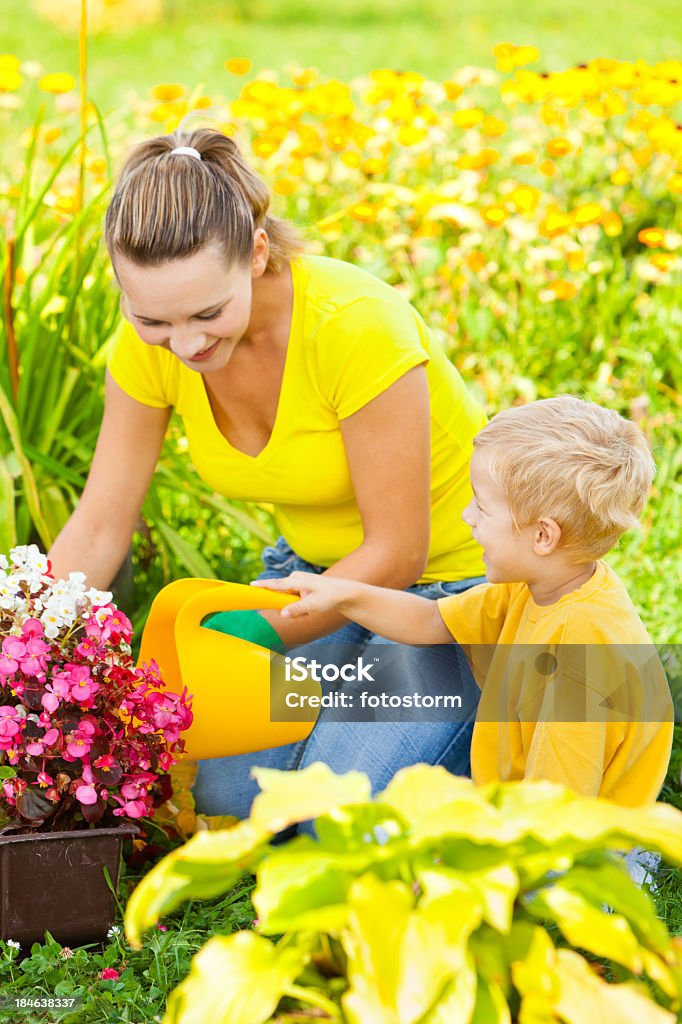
572, 689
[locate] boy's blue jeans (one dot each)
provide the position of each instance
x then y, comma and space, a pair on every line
378, 748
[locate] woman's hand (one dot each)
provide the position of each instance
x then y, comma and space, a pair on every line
318, 593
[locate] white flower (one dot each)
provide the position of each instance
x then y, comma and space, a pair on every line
99, 597
114, 930
29, 557
8, 597
13, 944
4, 564
51, 624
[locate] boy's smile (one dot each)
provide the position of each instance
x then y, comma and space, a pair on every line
507, 550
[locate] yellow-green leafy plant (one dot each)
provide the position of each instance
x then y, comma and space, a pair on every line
437, 902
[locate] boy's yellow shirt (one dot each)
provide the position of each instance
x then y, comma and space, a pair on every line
352, 336
573, 692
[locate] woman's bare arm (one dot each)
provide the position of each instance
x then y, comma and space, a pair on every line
98, 534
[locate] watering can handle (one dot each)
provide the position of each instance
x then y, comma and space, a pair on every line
228, 677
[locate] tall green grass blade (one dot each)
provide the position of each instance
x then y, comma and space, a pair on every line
8, 524
187, 556
30, 489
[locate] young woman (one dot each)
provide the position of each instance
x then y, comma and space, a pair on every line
304, 382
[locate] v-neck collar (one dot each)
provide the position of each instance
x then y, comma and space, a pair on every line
283, 391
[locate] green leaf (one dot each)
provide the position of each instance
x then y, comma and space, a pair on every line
532, 957
582, 996
610, 883
303, 887
289, 797
551, 814
206, 866
188, 557
437, 805
403, 962
421, 789
494, 888
587, 926
355, 826
491, 1005
235, 979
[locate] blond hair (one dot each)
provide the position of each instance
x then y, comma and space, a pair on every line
168, 207
575, 462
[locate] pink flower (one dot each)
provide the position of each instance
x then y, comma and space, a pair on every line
10, 722
109, 624
109, 974
109, 712
87, 649
36, 747
131, 808
84, 688
33, 627
81, 740
86, 794
79, 746
50, 701
35, 660
7, 665
56, 691
13, 647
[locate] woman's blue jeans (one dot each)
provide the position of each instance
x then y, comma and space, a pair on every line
378, 748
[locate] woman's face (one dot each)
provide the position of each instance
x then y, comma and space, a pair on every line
197, 307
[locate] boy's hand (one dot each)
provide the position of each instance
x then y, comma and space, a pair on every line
318, 593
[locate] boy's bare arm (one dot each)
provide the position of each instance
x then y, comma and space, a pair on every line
393, 614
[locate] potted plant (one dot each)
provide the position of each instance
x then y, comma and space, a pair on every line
437, 902
86, 741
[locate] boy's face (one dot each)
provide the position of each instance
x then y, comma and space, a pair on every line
507, 552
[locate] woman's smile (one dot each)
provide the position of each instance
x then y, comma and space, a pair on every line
200, 357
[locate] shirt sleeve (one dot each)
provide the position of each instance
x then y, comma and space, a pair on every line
365, 347
477, 615
144, 372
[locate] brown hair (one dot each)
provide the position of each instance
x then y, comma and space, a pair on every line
168, 207
586, 467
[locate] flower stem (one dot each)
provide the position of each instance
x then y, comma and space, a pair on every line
309, 995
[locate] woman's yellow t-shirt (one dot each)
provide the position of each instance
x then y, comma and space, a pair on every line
351, 337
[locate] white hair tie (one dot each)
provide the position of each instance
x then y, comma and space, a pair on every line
188, 150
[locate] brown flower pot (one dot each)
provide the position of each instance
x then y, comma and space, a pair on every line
54, 881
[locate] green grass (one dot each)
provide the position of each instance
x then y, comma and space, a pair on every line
342, 39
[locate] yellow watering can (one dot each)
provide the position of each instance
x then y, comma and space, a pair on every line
229, 678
